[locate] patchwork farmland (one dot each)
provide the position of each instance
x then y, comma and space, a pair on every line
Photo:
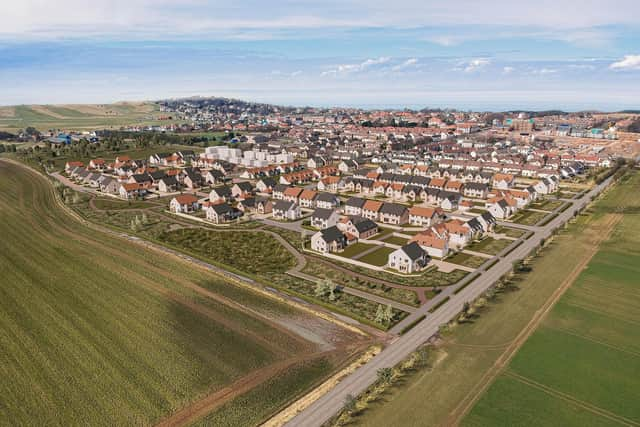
581, 366
99, 331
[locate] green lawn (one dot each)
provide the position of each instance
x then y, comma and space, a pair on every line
395, 240
96, 330
382, 232
489, 245
354, 249
379, 257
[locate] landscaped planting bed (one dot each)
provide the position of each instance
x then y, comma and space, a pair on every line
322, 271
509, 231
429, 278
528, 217
467, 260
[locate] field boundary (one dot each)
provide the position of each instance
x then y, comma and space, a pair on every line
478, 390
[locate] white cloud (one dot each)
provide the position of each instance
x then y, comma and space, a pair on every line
630, 62
406, 64
355, 68
164, 18
476, 64
544, 71
508, 70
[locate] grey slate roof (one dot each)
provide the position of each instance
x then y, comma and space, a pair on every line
322, 213
393, 209
413, 251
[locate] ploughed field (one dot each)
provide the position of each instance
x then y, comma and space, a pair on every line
96, 330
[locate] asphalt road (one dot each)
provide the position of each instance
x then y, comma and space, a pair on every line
324, 408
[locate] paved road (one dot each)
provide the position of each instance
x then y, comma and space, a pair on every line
293, 226
324, 408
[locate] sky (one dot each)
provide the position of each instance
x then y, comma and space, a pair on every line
465, 54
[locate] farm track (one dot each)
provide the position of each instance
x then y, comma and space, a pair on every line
570, 399
477, 391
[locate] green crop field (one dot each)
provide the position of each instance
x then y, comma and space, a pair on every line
95, 330
79, 117
585, 357
433, 396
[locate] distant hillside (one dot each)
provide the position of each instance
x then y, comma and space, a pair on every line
77, 116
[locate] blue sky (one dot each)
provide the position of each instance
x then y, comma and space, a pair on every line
465, 54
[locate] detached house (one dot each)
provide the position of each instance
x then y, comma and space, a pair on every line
242, 190
502, 208
324, 218
184, 203
408, 259
213, 176
354, 206
168, 184
371, 209
266, 185
425, 217
307, 198
109, 185
131, 191
327, 201
222, 193
361, 228
503, 181
433, 244
221, 212
328, 240
286, 210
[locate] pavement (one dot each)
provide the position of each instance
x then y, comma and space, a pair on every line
329, 404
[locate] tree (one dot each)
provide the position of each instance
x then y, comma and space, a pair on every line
388, 314
384, 375
321, 288
466, 307
380, 314
350, 403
